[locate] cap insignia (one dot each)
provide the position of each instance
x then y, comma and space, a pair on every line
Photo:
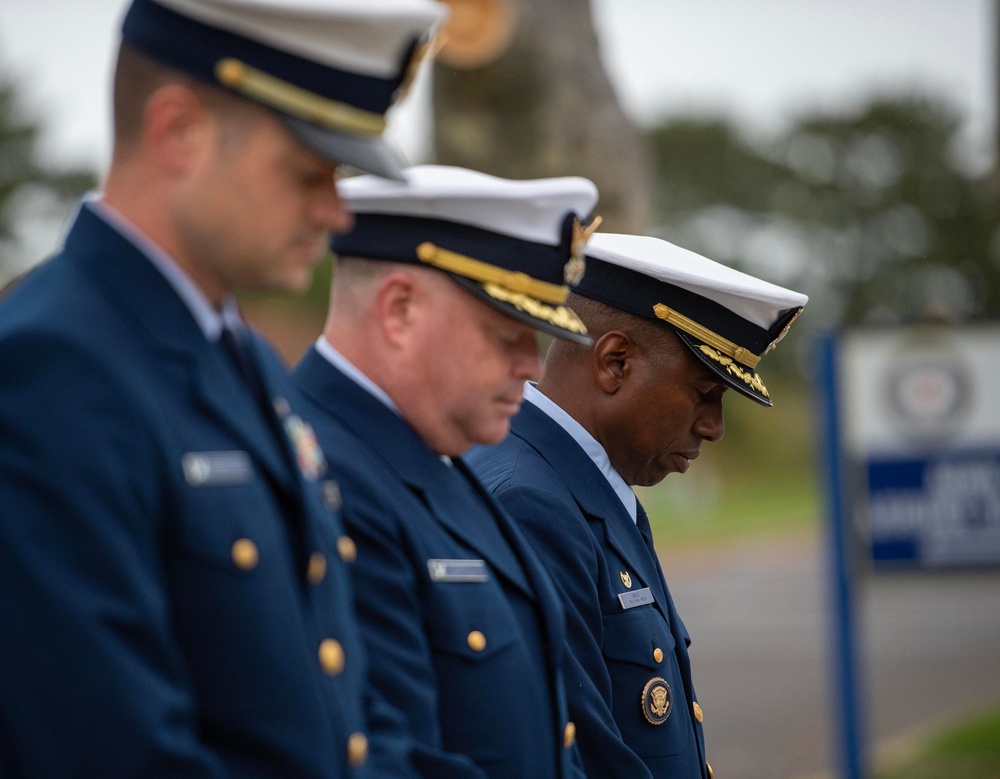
783, 332
428, 47
577, 265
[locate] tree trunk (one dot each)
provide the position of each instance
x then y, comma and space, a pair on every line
545, 107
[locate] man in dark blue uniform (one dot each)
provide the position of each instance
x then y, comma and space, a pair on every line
437, 294
672, 332
172, 597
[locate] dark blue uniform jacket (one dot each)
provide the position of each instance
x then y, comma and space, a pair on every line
595, 553
171, 598
464, 630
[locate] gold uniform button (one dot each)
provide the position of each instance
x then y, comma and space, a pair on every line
658, 655
331, 656
711, 773
316, 571
569, 735
245, 554
347, 549
698, 713
357, 749
476, 641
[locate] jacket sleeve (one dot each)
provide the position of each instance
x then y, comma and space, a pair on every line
92, 680
561, 536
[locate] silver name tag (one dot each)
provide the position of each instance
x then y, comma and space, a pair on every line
630, 600
457, 570
217, 469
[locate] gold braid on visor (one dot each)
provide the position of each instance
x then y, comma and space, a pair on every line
301, 103
513, 281
713, 339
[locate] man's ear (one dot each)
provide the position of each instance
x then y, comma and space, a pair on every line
396, 300
611, 354
176, 127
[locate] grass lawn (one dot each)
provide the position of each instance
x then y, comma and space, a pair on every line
969, 747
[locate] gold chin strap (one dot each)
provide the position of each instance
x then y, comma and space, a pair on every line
514, 282
272, 91
689, 326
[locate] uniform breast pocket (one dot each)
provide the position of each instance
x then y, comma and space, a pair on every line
470, 621
649, 702
481, 667
223, 526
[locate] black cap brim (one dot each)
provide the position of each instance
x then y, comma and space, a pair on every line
739, 377
546, 325
369, 154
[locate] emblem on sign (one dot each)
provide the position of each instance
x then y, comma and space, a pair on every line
626, 579
656, 700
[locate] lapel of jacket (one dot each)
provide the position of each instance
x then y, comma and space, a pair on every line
592, 492
145, 297
451, 499
542, 586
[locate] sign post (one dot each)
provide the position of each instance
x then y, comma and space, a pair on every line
841, 576
912, 450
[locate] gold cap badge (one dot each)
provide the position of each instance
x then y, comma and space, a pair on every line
577, 265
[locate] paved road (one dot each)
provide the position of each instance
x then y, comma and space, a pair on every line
759, 619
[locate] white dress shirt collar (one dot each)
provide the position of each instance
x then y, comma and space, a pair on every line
345, 366
210, 320
587, 442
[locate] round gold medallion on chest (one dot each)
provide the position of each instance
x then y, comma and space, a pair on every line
657, 700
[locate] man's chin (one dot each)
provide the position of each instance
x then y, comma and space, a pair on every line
494, 434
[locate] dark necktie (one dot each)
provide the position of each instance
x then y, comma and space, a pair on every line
241, 355
642, 522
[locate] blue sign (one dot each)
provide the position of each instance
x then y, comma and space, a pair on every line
939, 510
921, 442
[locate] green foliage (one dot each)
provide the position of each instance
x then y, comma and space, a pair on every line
23, 176
876, 215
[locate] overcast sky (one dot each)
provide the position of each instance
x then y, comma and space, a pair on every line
763, 61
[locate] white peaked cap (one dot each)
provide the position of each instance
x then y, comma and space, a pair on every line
513, 244
729, 319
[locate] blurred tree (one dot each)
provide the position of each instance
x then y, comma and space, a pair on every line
520, 91
30, 191
879, 216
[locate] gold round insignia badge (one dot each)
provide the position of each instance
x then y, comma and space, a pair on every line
656, 700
